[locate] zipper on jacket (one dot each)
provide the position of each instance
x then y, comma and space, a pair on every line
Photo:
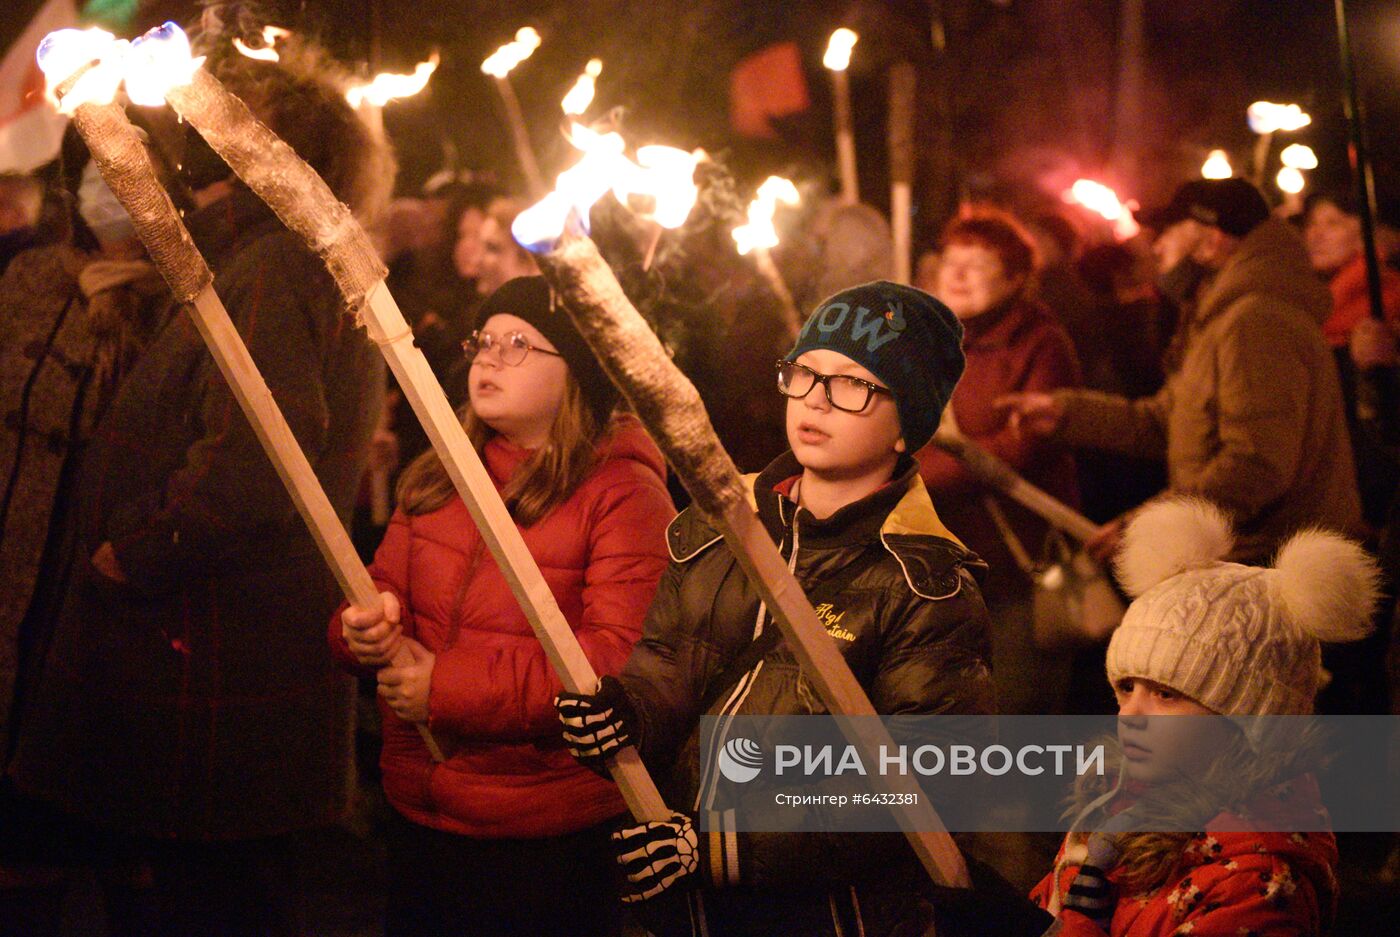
705, 792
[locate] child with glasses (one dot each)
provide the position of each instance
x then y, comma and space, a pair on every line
866, 383
507, 835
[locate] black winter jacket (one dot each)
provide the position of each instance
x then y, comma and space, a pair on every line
913, 628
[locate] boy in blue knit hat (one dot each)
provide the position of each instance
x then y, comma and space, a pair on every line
865, 383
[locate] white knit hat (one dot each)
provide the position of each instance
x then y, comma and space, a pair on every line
1240, 640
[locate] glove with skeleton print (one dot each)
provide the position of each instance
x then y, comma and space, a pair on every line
596, 725
657, 856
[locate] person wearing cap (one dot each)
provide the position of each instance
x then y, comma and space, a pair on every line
1213, 826
1251, 415
866, 382
506, 836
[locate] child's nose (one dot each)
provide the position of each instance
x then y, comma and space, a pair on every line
1132, 707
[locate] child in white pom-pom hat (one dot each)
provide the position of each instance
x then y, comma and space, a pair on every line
1209, 638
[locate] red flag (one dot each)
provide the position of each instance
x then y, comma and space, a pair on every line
30, 129
764, 85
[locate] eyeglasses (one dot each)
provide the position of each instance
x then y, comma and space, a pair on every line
842, 391
511, 347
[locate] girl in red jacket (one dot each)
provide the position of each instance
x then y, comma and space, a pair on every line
1206, 638
496, 839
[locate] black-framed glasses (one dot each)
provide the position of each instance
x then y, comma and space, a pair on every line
842, 391
512, 347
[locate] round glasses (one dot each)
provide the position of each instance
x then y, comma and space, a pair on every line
511, 348
842, 391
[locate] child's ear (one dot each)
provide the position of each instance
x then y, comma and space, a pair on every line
899, 444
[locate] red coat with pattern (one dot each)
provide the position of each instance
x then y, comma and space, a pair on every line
507, 773
1230, 883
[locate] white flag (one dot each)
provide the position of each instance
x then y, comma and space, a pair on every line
30, 128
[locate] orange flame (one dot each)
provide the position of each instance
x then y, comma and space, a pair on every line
1104, 202
387, 86
838, 49
1217, 165
1267, 117
659, 185
499, 63
1290, 179
268, 52
580, 96
1298, 156
759, 231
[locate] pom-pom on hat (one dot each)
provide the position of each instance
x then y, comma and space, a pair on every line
1240, 640
910, 341
532, 299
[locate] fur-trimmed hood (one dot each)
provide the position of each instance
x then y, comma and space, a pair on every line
1265, 865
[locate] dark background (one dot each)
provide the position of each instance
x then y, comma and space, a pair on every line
1023, 93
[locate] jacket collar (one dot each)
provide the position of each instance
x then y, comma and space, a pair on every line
900, 517
900, 508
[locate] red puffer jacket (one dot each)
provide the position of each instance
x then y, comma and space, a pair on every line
1230, 881
602, 551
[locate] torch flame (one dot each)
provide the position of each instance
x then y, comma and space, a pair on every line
499, 63
838, 49
1267, 117
265, 54
659, 186
150, 65
159, 60
577, 188
1299, 156
581, 94
667, 174
1290, 179
268, 52
759, 232
387, 86
65, 51
1104, 202
1217, 166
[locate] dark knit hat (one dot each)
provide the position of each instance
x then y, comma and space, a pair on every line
910, 341
532, 299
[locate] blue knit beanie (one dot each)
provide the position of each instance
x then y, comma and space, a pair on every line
910, 341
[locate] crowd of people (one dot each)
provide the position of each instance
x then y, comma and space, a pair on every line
183, 693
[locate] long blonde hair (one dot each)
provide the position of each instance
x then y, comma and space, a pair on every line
1181, 808
547, 479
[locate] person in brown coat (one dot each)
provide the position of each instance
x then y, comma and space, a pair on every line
186, 720
1251, 418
